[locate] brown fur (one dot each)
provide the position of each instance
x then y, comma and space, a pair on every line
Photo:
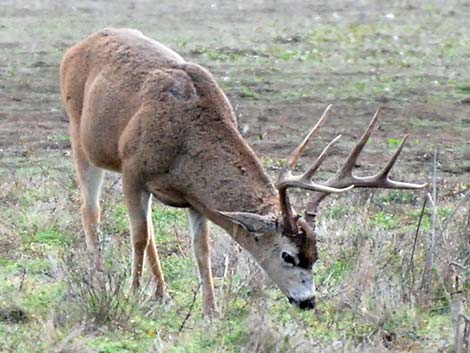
138, 108
143, 110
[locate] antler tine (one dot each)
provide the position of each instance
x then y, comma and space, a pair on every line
294, 157
346, 169
315, 165
286, 179
382, 179
298, 182
305, 181
391, 162
344, 177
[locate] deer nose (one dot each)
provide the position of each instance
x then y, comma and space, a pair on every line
307, 304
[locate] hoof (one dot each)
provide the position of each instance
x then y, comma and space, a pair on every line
210, 312
161, 295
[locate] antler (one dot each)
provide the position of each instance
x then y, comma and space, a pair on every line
343, 180
344, 177
304, 181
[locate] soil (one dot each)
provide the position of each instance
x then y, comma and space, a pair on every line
280, 63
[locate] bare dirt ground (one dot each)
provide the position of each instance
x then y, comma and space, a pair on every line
280, 63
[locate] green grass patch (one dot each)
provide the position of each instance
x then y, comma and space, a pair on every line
385, 220
394, 197
248, 93
50, 237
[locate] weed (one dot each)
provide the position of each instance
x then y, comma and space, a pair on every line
50, 237
384, 220
248, 93
393, 197
393, 143
100, 298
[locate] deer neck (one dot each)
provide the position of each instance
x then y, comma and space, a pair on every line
221, 172
254, 244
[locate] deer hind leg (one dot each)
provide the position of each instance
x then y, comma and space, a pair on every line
140, 214
90, 179
201, 248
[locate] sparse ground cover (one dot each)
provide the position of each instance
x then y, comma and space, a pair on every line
280, 64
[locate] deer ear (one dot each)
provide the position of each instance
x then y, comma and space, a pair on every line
254, 223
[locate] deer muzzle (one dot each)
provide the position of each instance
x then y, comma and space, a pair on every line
306, 304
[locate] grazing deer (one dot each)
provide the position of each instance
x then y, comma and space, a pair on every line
136, 107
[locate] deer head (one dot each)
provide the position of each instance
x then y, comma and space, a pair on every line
288, 240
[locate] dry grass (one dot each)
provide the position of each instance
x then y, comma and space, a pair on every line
369, 278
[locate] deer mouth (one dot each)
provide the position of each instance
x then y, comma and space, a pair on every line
306, 304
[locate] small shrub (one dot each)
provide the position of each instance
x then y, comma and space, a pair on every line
101, 298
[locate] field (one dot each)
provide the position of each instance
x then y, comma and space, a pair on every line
394, 269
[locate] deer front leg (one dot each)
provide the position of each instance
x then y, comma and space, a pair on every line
201, 248
139, 207
155, 266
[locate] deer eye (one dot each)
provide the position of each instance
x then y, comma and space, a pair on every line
288, 258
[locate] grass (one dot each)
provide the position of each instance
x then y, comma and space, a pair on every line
390, 59
248, 93
362, 280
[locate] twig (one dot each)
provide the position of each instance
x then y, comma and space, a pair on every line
454, 211
466, 335
111, 187
468, 219
456, 264
434, 207
443, 228
459, 341
415, 241
231, 263
190, 308
23, 277
48, 174
426, 279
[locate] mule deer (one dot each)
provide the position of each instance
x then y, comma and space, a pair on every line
136, 107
